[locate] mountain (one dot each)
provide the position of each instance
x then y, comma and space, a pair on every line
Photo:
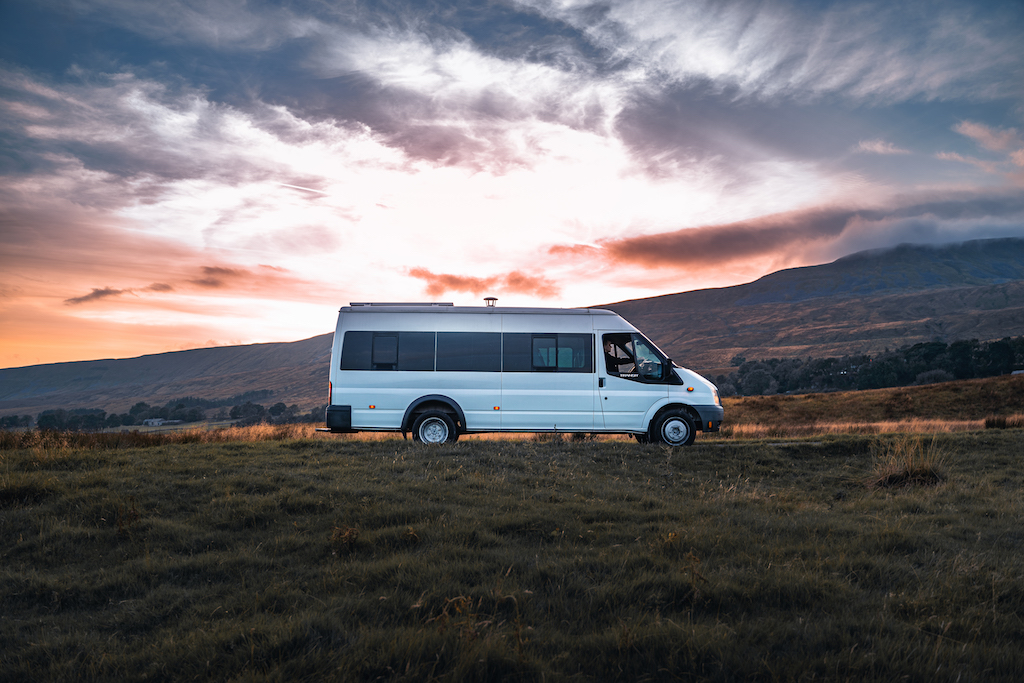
295, 371
862, 303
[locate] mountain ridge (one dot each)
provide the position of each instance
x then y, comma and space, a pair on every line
919, 293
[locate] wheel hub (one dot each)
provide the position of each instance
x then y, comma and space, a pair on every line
434, 431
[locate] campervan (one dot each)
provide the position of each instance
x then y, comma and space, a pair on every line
438, 371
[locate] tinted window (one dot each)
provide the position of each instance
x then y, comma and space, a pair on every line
517, 352
385, 351
388, 351
545, 353
575, 353
415, 350
548, 353
469, 351
355, 351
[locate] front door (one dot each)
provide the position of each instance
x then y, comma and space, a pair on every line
630, 372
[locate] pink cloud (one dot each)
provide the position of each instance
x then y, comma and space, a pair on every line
879, 147
515, 282
989, 138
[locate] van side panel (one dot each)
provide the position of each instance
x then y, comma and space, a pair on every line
558, 401
500, 367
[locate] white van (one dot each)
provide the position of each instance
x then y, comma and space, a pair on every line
439, 370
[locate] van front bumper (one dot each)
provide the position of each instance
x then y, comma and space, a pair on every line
710, 417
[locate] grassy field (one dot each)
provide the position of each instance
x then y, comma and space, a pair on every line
284, 558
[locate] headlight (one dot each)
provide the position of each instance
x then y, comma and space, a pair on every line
714, 392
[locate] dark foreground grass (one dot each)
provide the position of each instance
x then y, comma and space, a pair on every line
384, 560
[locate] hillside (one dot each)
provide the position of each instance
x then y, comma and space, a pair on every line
863, 303
295, 371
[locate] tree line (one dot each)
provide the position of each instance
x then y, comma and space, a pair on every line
924, 363
240, 408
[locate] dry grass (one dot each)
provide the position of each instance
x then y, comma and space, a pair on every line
49, 440
907, 461
351, 558
911, 426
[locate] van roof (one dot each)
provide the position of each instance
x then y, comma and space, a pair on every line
450, 309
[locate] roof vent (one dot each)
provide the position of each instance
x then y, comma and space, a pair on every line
490, 301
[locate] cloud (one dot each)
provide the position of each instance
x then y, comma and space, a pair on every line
879, 147
986, 166
989, 138
806, 52
515, 282
795, 237
96, 295
708, 246
214, 276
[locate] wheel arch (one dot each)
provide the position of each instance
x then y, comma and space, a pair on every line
434, 401
688, 409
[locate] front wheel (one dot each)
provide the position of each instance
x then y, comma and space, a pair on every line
434, 427
673, 428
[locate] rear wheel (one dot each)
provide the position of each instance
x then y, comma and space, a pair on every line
434, 427
673, 428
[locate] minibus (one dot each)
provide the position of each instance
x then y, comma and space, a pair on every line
438, 371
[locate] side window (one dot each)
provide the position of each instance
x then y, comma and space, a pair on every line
469, 351
576, 353
525, 352
633, 357
362, 350
385, 352
517, 352
416, 351
618, 354
355, 350
648, 362
545, 353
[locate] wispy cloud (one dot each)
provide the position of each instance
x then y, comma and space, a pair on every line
984, 165
990, 138
95, 295
515, 282
879, 147
779, 49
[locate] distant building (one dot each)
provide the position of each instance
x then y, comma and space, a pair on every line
159, 422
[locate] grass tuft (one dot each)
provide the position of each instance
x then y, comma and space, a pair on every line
907, 461
1004, 422
343, 539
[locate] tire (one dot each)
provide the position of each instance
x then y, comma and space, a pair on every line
673, 428
642, 438
434, 427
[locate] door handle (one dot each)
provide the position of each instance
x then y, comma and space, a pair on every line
600, 381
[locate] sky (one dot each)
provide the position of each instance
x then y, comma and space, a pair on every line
189, 174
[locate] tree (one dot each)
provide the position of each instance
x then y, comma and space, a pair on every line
759, 382
138, 409
52, 420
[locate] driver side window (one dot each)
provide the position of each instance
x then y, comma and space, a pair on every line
648, 363
631, 357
